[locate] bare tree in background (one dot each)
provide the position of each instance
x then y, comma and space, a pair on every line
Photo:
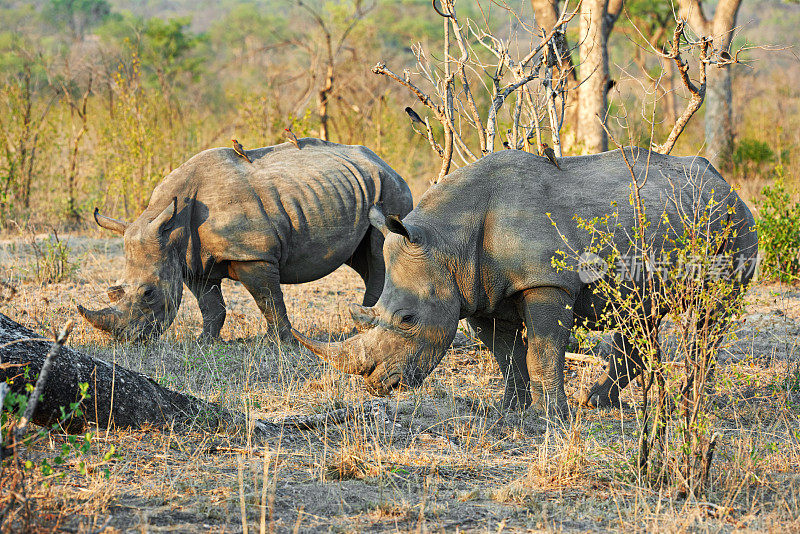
79, 126
547, 14
719, 114
333, 43
585, 96
25, 103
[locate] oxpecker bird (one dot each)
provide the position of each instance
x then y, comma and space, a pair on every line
291, 137
414, 116
240, 150
549, 153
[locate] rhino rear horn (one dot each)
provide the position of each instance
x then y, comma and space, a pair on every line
364, 317
115, 225
115, 293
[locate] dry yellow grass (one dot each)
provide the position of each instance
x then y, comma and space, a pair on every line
440, 458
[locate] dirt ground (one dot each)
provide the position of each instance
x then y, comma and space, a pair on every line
439, 458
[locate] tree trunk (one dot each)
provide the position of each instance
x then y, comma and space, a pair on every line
719, 117
323, 103
119, 397
547, 13
670, 105
592, 93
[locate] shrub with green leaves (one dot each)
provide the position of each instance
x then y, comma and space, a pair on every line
752, 151
778, 226
684, 280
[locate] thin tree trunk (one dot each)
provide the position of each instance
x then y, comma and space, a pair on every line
670, 105
719, 96
592, 94
323, 103
719, 117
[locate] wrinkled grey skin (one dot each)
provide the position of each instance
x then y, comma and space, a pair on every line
479, 246
292, 216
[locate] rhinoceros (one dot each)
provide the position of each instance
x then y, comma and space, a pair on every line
290, 216
480, 245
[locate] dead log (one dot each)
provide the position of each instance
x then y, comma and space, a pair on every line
119, 398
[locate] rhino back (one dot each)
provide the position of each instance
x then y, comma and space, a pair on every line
513, 211
304, 210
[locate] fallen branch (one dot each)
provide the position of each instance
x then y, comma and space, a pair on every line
120, 398
594, 360
35, 396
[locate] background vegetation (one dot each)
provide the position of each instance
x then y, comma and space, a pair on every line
99, 99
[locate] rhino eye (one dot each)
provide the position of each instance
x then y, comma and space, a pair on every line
150, 294
408, 318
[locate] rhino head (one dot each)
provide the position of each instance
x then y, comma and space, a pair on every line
404, 336
147, 300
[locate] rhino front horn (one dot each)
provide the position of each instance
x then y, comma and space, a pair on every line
348, 356
105, 319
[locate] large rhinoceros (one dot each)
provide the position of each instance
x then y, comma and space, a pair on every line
290, 216
480, 245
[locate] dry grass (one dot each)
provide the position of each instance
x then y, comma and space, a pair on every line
438, 458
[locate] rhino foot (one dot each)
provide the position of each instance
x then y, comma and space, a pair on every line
285, 338
597, 398
558, 412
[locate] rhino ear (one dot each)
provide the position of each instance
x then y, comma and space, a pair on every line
396, 226
392, 224
166, 217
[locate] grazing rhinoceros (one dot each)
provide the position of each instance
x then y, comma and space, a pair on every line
290, 216
480, 246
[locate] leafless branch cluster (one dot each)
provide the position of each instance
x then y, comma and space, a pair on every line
706, 55
475, 57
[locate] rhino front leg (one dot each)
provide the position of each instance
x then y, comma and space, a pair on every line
548, 318
212, 307
505, 341
624, 365
262, 281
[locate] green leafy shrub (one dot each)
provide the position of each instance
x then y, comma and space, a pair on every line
779, 232
752, 151
696, 288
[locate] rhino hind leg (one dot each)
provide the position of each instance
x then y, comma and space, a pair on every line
262, 281
548, 319
367, 261
505, 341
212, 307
